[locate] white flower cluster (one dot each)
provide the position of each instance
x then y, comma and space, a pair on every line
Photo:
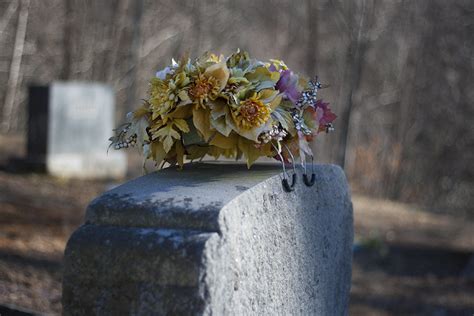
276, 133
309, 96
300, 124
128, 142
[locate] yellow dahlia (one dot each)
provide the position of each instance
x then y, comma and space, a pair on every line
161, 97
166, 94
252, 112
203, 89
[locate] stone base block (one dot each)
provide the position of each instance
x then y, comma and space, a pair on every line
214, 239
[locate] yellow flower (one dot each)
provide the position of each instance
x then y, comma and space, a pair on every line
239, 59
251, 113
278, 64
204, 89
160, 100
216, 59
209, 84
251, 116
220, 72
166, 94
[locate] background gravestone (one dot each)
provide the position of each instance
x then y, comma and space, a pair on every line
69, 126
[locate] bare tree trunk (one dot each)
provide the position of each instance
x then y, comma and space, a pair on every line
67, 34
311, 49
7, 16
351, 80
9, 112
135, 52
121, 14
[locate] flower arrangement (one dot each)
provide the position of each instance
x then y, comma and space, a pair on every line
233, 107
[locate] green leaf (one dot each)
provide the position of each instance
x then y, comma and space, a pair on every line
166, 131
261, 74
224, 142
218, 108
249, 150
221, 126
201, 119
309, 120
168, 142
183, 95
138, 127
267, 84
181, 125
284, 118
275, 102
196, 152
181, 112
252, 134
157, 152
193, 137
180, 154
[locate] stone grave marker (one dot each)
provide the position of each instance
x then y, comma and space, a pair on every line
68, 129
214, 239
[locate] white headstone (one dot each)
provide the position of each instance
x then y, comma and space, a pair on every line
81, 119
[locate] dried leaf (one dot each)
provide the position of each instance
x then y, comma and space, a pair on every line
220, 72
224, 142
168, 142
181, 125
249, 150
196, 152
201, 119
157, 152
179, 153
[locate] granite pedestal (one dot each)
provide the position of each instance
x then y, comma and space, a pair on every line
214, 239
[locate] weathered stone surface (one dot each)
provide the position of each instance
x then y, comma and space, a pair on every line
214, 239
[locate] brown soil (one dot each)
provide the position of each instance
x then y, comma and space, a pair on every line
410, 262
407, 261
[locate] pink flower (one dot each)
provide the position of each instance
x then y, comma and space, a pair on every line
324, 115
288, 85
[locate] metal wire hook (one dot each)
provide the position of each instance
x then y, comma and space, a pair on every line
306, 180
294, 177
292, 158
286, 186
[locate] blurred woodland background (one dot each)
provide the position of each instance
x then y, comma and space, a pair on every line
401, 82
400, 72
